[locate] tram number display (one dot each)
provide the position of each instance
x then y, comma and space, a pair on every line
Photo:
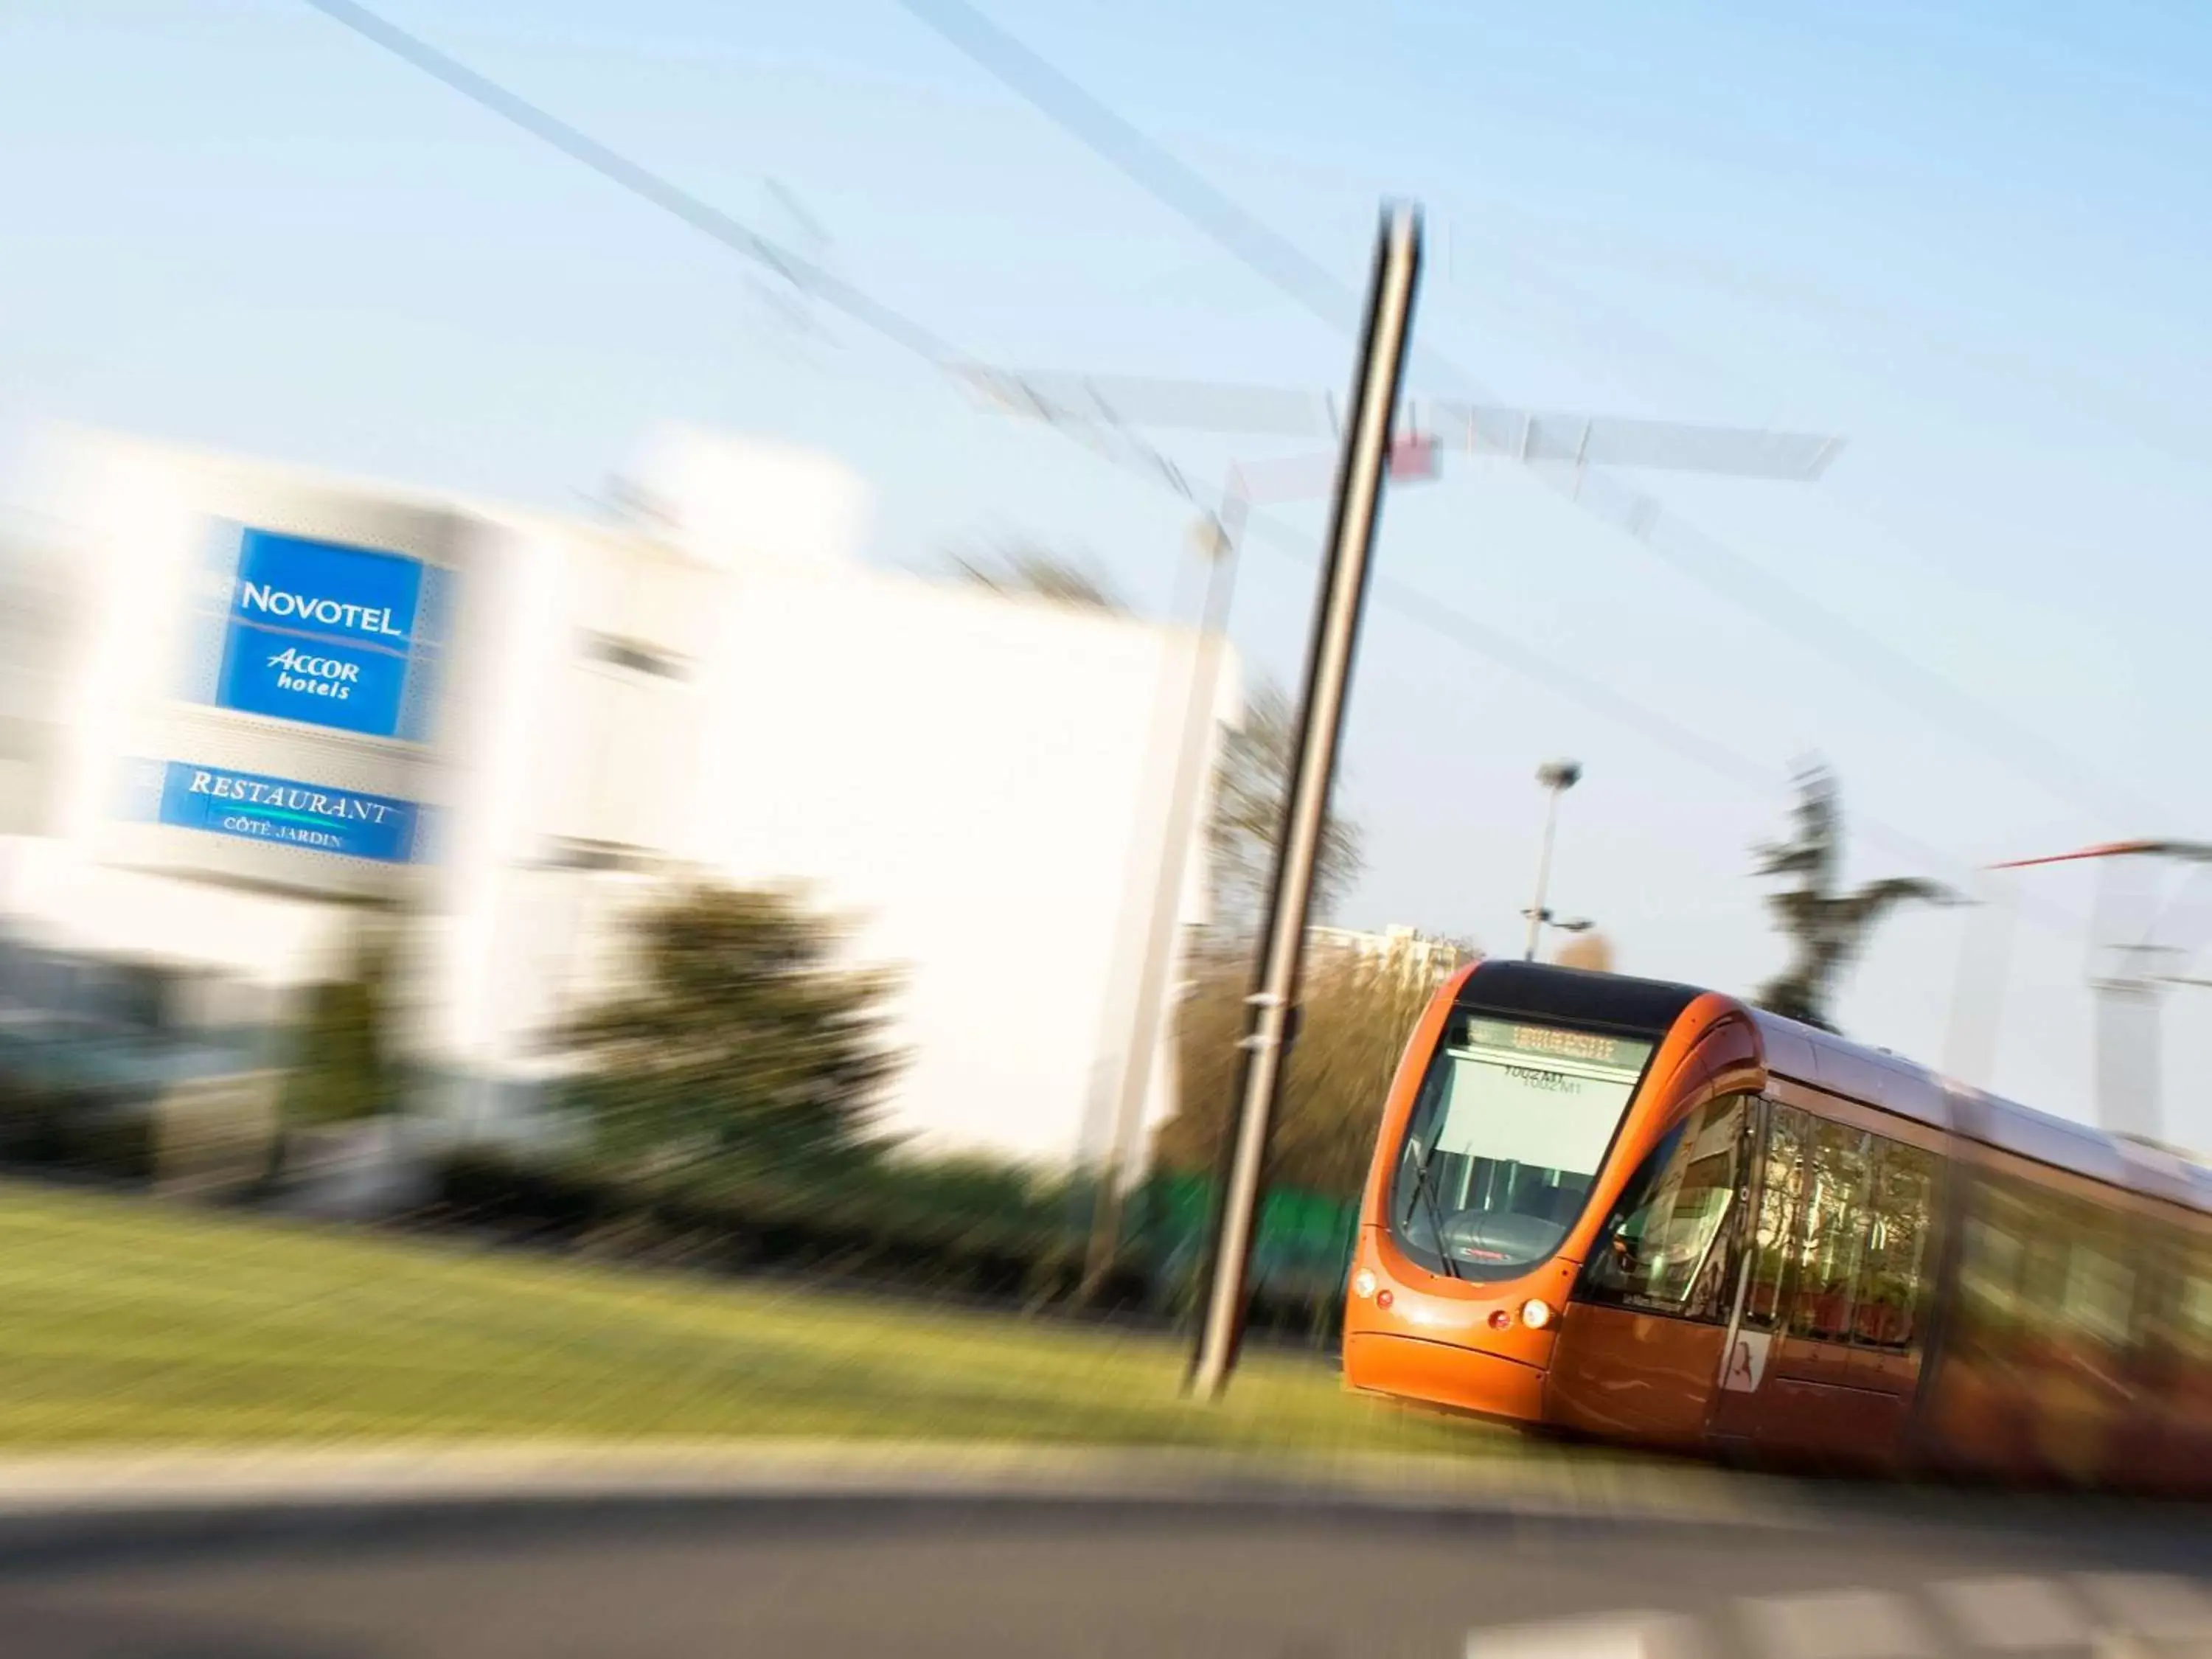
1529, 1077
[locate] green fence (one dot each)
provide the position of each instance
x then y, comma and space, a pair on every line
1301, 1250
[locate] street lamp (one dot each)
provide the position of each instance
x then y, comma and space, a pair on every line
1557, 777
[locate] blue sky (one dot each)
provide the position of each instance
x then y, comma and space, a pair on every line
1971, 241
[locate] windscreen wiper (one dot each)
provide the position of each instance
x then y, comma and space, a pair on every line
1427, 1199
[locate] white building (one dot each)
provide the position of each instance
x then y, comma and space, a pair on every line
1404, 950
278, 694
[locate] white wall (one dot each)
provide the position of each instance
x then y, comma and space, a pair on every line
965, 773
38, 614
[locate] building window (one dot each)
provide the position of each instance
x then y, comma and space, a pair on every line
635, 655
567, 853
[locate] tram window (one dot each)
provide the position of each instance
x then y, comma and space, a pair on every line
2100, 1285
2077, 1290
1884, 1315
2193, 1323
2043, 1268
1774, 1242
1836, 1182
2177, 1325
1667, 1246
1507, 1134
1994, 1261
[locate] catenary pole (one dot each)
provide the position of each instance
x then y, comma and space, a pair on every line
1270, 1022
1186, 795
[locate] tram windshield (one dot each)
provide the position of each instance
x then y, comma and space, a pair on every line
1513, 1119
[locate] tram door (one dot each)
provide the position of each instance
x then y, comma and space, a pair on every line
1822, 1351
1641, 1342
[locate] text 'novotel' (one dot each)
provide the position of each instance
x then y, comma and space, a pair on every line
331, 613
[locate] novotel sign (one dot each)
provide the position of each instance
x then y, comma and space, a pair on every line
260, 600
315, 817
328, 634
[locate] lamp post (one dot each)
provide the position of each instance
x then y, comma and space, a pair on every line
1557, 777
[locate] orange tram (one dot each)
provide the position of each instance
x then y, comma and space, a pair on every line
1610, 1208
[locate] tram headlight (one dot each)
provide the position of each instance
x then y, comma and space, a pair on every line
1362, 1283
1535, 1313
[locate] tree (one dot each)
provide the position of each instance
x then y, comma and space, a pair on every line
743, 1043
1249, 788
345, 1070
1357, 1012
1828, 928
1020, 569
1251, 778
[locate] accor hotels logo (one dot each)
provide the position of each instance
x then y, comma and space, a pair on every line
323, 677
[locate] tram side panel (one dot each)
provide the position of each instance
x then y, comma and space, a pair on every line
2079, 1334
2184, 1340
1836, 1302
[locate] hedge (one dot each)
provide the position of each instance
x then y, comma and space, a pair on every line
898, 1228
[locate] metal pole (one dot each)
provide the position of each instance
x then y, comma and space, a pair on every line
1543, 874
1970, 1047
1270, 1024
1184, 798
1558, 776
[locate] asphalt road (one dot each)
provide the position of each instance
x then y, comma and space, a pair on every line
826, 1578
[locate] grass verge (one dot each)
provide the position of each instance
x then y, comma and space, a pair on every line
123, 1321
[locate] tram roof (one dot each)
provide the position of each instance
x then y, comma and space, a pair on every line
1824, 1061
1539, 990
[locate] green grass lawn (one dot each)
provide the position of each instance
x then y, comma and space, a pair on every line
124, 1320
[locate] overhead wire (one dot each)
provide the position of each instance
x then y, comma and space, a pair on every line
1742, 580
1119, 447
609, 164
1451, 624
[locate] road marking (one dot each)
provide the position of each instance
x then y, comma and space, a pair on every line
2150, 1604
1611, 1635
2128, 1616
2012, 1615
1847, 1623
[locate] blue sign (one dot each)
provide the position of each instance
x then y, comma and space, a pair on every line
328, 634
310, 815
